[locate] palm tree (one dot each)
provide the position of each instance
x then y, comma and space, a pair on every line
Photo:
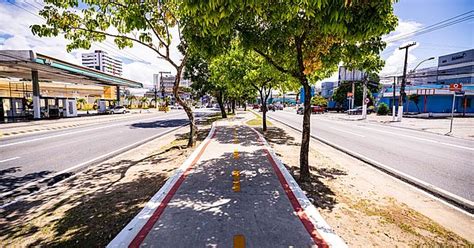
143, 101
81, 102
130, 99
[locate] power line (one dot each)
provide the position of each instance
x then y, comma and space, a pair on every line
115, 51
439, 25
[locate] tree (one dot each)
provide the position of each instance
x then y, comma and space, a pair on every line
382, 109
143, 101
319, 101
148, 23
197, 69
415, 98
304, 39
81, 102
130, 99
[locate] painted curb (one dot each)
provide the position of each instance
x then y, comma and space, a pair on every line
322, 227
433, 190
132, 229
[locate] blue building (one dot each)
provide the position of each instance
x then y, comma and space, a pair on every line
433, 96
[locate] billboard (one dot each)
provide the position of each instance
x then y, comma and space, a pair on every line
350, 75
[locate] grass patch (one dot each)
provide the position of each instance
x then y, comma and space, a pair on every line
412, 222
258, 122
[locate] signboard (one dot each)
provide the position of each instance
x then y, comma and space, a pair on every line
459, 93
367, 100
350, 75
455, 87
349, 94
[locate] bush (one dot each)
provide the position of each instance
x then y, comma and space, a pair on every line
382, 109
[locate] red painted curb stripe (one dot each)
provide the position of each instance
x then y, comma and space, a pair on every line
156, 215
318, 240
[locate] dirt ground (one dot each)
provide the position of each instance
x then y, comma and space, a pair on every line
366, 207
93, 207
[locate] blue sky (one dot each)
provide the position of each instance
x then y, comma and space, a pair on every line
413, 15
422, 13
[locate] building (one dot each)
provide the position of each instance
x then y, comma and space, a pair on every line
423, 76
430, 86
456, 68
327, 89
101, 61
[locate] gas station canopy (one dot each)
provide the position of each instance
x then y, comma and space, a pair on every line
21, 63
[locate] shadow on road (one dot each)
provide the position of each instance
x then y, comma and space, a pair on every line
160, 123
9, 181
88, 211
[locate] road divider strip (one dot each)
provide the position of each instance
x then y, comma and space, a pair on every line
454, 200
133, 234
321, 233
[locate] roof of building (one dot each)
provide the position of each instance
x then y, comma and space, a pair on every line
20, 63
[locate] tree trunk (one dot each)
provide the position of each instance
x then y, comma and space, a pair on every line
187, 109
245, 106
304, 161
233, 106
221, 104
228, 106
263, 99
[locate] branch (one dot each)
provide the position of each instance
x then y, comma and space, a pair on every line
120, 36
277, 66
154, 31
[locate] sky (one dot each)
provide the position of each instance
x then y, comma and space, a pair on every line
140, 64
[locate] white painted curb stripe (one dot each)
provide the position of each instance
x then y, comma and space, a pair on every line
130, 231
323, 228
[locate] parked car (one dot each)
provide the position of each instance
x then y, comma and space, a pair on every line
256, 106
117, 110
358, 110
314, 110
278, 106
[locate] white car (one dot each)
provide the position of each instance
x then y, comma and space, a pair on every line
118, 110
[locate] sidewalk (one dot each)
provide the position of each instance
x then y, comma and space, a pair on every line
232, 191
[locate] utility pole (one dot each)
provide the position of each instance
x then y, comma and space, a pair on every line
353, 95
364, 102
402, 86
393, 99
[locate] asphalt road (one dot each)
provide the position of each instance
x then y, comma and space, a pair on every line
442, 161
32, 157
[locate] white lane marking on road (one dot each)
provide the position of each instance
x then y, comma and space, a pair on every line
8, 159
423, 139
344, 131
365, 159
80, 131
163, 134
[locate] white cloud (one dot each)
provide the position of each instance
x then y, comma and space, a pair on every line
395, 62
394, 58
145, 62
403, 29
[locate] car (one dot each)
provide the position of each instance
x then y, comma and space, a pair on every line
317, 110
358, 110
117, 110
256, 106
279, 106
314, 110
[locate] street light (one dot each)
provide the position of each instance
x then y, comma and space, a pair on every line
414, 69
